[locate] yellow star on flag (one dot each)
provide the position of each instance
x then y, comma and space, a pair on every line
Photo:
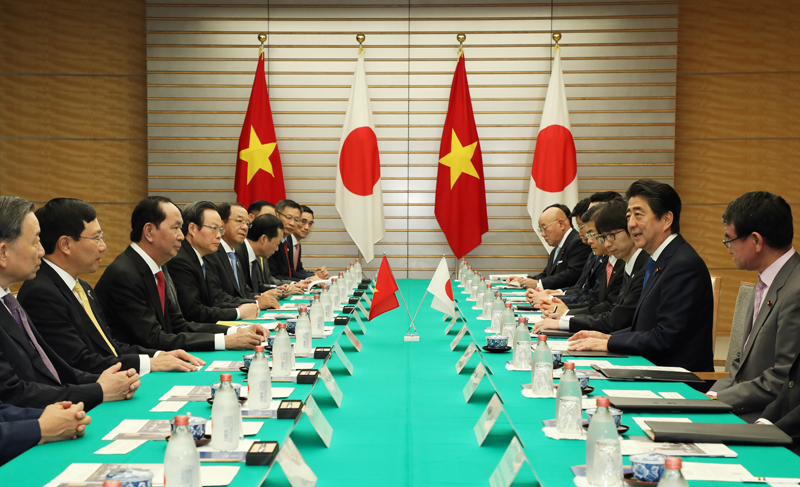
257, 155
459, 160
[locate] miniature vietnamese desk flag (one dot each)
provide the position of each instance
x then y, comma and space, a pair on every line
460, 192
554, 175
384, 299
442, 290
258, 165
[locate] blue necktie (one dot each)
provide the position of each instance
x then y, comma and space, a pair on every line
649, 271
232, 256
555, 254
203, 266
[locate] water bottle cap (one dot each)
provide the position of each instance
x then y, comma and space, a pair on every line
112, 483
569, 366
489, 285
226, 377
351, 263
358, 260
303, 309
603, 402
282, 325
334, 279
316, 297
508, 305
476, 272
542, 338
523, 320
259, 348
498, 295
342, 273
469, 267
325, 287
483, 278
181, 420
673, 463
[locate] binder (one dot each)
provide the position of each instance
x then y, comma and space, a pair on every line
729, 434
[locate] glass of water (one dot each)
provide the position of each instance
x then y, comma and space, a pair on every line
608, 463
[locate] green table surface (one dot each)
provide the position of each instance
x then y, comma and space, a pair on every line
403, 419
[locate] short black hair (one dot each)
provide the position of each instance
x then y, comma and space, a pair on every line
612, 216
224, 210
195, 213
256, 206
305, 209
148, 210
264, 225
762, 212
590, 215
661, 198
580, 208
63, 216
13, 211
564, 209
604, 196
282, 204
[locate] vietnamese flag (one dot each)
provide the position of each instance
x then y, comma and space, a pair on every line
259, 175
383, 299
460, 192
554, 175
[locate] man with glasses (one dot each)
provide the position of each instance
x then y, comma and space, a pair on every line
565, 262
282, 264
258, 208
63, 307
758, 234
202, 229
301, 231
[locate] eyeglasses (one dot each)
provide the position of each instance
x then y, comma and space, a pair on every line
296, 220
96, 239
591, 235
305, 222
609, 236
216, 229
543, 228
727, 241
241, 222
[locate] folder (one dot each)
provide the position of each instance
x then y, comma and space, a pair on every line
732, 434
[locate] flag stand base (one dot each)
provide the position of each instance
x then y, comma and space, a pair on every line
411, 338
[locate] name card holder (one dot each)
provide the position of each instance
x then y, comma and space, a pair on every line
473, 381
463, 331
510, 463
343, 357
362, 309
452, 323
355, 341
465, 357
331, 385
297, 471
360, 323
318, 421
366, 298
489, 418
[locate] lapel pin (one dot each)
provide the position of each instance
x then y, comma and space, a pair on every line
769, 303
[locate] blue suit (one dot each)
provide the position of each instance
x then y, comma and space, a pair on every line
19, 431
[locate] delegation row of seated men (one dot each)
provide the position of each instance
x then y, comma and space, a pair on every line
66, 347
625, 281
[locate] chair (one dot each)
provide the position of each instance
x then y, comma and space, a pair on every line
716, 284
738, 327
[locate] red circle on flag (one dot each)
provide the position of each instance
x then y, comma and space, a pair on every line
554, 162
359, 161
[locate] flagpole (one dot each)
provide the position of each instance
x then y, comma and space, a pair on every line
410, 337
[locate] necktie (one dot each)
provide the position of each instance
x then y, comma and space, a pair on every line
161, 288
88, 308
609, 270
296, 254
648, 271
19, 316
254, 271
203, 266
759, 297
232, 257
286, 249
555, 255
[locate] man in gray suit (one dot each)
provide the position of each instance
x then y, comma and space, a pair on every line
758, 234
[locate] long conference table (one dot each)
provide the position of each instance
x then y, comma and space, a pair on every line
403, 420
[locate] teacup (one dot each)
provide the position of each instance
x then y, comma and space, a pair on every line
291, 325
237, 388
615, 413
557, 355
197, 426
248, 359
583, 378
270, 340
132, 477
497, 341
648, 467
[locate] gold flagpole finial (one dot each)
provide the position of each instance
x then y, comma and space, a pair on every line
360, 37
262, 38
556, 38
461, 37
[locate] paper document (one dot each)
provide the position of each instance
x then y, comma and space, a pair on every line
589, 363
139, 429
209, 454
648, 367
627, 393
95, 473
249, 428
714, 472
504, 277
120, 447
641, 444
671, 395
560, 345
168, 407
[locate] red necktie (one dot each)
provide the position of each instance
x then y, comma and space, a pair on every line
286, 248
296, 254
609, 270
161, 288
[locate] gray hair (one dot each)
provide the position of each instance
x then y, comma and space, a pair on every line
13, 211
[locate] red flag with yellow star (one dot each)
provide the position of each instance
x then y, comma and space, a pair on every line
259, 175
460, 192
384, 299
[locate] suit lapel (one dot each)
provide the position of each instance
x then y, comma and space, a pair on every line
226, 265
658, 270
150, 284
17, 334
98, 314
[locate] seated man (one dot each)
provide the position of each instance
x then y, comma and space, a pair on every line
569, 254
260, 207
62, 306
612, 231
784, 411
758, 233
282, 264
202, 227
23, 428
31, 373
672, 324
133, 292
301, 231
263, 238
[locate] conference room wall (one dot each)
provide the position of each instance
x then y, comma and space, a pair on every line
73, 107
736, 120
619, 62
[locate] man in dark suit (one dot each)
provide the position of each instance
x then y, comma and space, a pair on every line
569, 254
63, 307
31, 373
784, 411
586, 286
758, 233
132, 290
202, 227
612, 232
260, 207
263, 238
302, 230
672, 324
282, 263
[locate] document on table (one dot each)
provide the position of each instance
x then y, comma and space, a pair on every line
589, 363
168, 406
593, 374
719, 472
560, 345
140, 429
302, 298
209, 454
627, 393
234, 365
120, 447
269, 412
641, 444
95, 473
249, 428
647, 367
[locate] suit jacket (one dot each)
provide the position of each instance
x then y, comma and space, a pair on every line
192, 289
673, 322
223, 284
759, 371
300, 272
565, 269
621, 315
784, 411
19, 431
25, 380
607, 292
128, 293
67, 328
279, 262
586, 287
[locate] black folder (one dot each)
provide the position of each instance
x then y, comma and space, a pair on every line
593, 353
670, 405
647, 375
730, 434
557, 333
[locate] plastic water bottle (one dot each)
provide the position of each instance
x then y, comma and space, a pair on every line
317, 317
357, 272
479, 294
473, 289
346, 277
259, 381
181, 461
468, 280
568, 401
282, 356
497, 312
302, 333
601, 427
508, 323
226, 415
487, 302
344, 287
334, 292
327, 304
672, 476
462, 268
542, 369
521, 345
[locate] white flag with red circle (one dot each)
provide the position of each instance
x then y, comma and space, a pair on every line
442, 290
359, 199
554, 175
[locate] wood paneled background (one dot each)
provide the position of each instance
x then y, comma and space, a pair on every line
73, 110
